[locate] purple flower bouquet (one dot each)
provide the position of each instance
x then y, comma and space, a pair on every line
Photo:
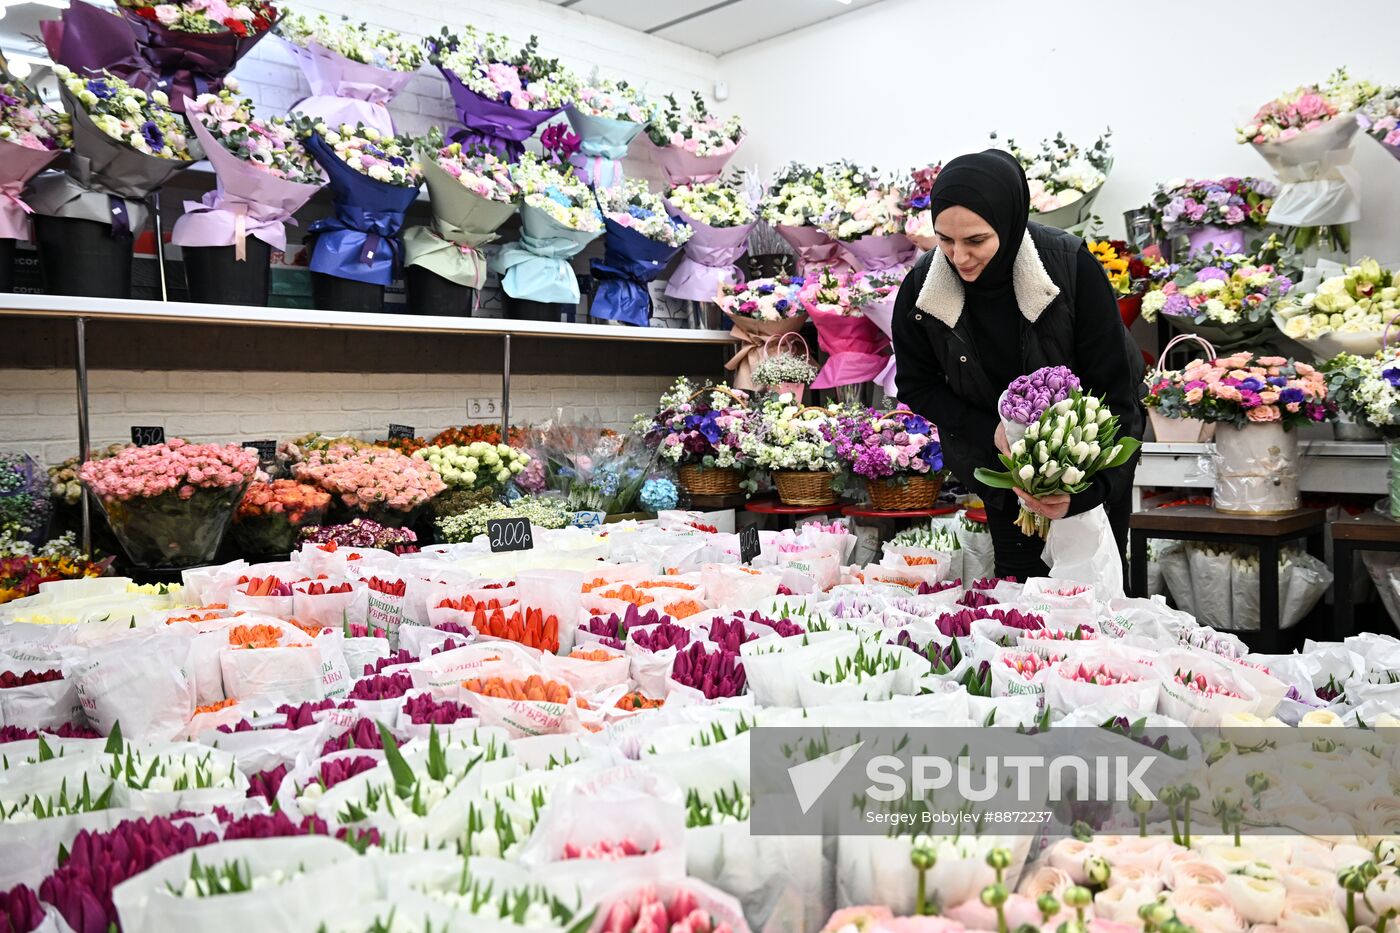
1026, 399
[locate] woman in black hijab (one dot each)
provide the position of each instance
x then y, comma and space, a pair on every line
998, 298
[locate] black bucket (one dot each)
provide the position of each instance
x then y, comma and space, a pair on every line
7, 265
332, 293
215, 276
83, 257
520, 309
430, 293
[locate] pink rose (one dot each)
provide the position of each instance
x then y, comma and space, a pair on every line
167, 14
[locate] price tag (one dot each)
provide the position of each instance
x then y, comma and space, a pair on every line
509, 534
147, 436
267, 451
588, 519
397, 431
748, 543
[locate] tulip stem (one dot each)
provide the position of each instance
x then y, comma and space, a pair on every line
1351, 910
1176, 832
1381, 923
921, 895
1142, 825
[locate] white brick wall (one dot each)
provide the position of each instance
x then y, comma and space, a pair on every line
38, 408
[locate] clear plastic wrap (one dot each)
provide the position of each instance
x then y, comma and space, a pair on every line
1257, 469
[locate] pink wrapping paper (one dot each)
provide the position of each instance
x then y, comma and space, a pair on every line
815, 249
343, 91
683, 168
708, 259
18, 164
247, 202
752, 335
874, 253
856, 349
881, 314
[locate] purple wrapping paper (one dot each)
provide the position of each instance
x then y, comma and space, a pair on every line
499, 126
684, 168
187, 64
1229, 239
708, 259
856, 349
89, 39
815, 249
343, 91
18, 164
875, 253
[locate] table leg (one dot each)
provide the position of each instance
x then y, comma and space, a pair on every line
1269, 632
1137, 564
1342, 590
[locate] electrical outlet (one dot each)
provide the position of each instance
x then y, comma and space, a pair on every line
483, 408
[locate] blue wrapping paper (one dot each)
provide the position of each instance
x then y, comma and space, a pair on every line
603, 144
363, 240
629, 263
537, 267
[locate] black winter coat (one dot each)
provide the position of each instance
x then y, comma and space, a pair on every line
1064, 322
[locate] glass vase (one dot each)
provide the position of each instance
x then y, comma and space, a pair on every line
1393, 474
167, 531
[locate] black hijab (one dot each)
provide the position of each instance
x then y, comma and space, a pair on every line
993, 186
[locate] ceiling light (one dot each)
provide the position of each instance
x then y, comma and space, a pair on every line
844, 2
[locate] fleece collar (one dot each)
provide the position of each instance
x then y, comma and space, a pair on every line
942, 294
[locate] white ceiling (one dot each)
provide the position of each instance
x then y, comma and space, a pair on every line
715, 26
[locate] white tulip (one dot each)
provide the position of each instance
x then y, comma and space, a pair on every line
1018, 449
1027, 473
1072, 476
1090, 403
1103, 415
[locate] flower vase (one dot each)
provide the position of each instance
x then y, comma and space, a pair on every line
1344, 429
1393, 474
1256, 469
1227, 239
168, 531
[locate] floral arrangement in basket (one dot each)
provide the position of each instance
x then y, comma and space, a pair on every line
894, 451
1342, 313
701, 426
1241, 389
1306, 108
784, 436
1366, 389
784, 371
762, 299
1061, 173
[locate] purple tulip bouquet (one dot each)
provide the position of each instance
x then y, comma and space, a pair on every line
1026, 399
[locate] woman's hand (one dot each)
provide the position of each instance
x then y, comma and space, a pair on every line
1001, 441
1051, 507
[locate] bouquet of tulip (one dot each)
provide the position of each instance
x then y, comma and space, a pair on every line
129, 143
1212, 211
918, 219
722, 218
691, 144
640, 239
1242, 389
707, 430
607, 115
270, 517
373, 180
1026, 399
169, 504
558, 217
1346, 313
1123, 268
1380, 118
1060, 453
354, 71
382, 484
1064, 179
857, 347
31, 136
1225, 298
265, 175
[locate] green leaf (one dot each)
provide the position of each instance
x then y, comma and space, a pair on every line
398, 766
584, 923
992, 478
114, 740
437, 758
45, 753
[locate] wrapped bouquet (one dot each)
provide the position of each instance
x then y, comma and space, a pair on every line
865, 214
760, 309
1212, 212
700, 429
1346, 312
354, 71
897, 452
1064, 179
640, 239
1241, 389
918, 218
558, 218
857, 346
607, 115
722, 218
1227, 299
691, 144
1380, 118
794, 206
502, 95
192, 45
32, 135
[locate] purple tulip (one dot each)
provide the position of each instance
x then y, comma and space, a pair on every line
1014, 618
382, 686
1028, 396
613, 629
342, 769
424, 710
20, 909
975, 599
928, 589
65, 731
265, 784
715, 674
661, 636
453, 628
990, 583
363, 734
398, 657
303, 715
448, 645
784, 627
729, 635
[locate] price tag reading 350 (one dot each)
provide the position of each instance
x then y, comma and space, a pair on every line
509, 534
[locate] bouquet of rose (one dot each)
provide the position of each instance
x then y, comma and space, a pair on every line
1059, 454
1026, 399
721, 217
383, 484
169, 504
1225, 298
640, 239
857, 346
760, 309
795, 205
472, 194
886, 445
865, 213
1064, 179
558, 218
31, 136
1366, 389
1380, 118
354, 71
1201, 207
1305, 136
705, 429
691, 144
1242, 389
918, 219
373, 180
607, 115
264, 172
270, 517
126, 144
1346, 313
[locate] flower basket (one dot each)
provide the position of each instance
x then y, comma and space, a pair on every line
712, 481
1256, 469
1180, 430
168, 531
805, 487
919, 491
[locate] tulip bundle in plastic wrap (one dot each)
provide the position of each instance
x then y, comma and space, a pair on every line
1220, 585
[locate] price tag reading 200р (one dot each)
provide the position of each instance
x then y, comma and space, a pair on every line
509, 534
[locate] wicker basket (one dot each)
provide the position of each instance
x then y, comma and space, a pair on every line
920, 492
804, 487
716, 481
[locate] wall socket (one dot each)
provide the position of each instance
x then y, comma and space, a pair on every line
483, 408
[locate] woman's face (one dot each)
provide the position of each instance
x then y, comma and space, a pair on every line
967, 240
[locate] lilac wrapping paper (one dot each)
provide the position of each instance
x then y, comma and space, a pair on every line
343, 91
684, 168
856, 349
18, 164
247, 202
881, 314
1229, 239
89, 39
752, 335
815, 249
708, 259
498, 126
875, 253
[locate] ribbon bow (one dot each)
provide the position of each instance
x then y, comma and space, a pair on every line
215, 210
358, 244
445, 251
